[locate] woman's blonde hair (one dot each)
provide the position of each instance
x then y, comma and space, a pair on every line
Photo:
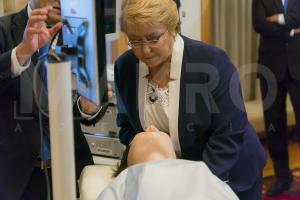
147, 12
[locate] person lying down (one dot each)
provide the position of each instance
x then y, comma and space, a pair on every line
149, 170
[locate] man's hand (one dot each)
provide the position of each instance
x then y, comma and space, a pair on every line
90, 108
297, 31
273, 18
36, 34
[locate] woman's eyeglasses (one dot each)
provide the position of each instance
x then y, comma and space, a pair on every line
152, 43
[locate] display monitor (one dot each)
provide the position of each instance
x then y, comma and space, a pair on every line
84, 37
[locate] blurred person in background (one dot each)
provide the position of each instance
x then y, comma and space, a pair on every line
277, 23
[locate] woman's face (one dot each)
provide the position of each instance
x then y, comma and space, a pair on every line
152, 44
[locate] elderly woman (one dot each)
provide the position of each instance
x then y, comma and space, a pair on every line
188, 90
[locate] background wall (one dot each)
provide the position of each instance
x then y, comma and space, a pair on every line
10, 6
190, 15
233, 32
206, 21
1, 8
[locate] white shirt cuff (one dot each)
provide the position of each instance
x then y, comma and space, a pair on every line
84, 115
281, 19
16, 68
292, 33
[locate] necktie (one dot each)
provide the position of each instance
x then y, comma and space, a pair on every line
285, 5
45, 148
26, 95
43, 51
42, 94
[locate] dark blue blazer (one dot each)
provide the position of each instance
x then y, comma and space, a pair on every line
19, 119
212, 124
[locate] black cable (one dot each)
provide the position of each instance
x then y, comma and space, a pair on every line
37, 98
43, 163
53, 39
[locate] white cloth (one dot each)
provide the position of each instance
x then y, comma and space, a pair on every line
169, 179
93, 179
16, 68
281, 19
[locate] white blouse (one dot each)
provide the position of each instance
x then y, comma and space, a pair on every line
159, 114
157, 109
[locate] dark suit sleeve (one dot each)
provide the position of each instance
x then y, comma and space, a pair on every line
126, 133
264, 27
83, 155
292, 20
228, 121
5, 62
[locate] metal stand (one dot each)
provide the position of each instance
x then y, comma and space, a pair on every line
61, 130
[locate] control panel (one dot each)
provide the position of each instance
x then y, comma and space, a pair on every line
103, 145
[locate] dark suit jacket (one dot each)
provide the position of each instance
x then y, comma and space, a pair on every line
19, 124
278, 51
217, 132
